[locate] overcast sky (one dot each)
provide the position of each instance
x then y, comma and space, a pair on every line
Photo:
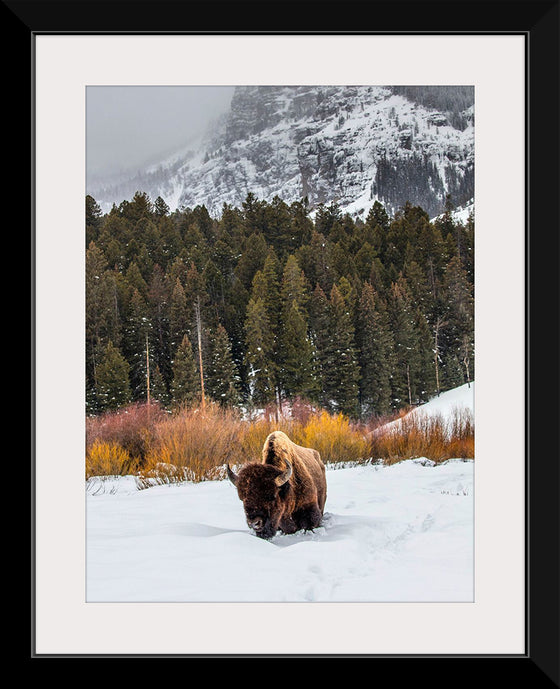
127, 126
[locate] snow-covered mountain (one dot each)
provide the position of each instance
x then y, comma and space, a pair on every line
349, 144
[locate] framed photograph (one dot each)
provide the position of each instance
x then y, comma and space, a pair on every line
465, 566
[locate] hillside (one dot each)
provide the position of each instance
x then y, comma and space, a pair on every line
349, 144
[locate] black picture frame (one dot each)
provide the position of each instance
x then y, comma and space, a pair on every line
538, 22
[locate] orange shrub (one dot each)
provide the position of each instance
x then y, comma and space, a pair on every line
195, 442
131, 427
333, 437
108, 459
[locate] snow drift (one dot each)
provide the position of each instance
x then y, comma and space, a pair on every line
401, 533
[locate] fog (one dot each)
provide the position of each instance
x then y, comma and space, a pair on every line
128, 127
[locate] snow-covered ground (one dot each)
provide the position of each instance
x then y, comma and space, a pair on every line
449, 401
402, 533
461, 213
450, 405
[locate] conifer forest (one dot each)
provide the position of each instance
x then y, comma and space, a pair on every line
270, 302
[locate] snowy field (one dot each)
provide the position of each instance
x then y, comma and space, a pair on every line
402, 533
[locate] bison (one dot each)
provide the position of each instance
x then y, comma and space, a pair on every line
286, 490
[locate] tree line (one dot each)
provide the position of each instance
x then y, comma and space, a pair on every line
270, 302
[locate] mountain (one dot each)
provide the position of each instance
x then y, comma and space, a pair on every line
351, 145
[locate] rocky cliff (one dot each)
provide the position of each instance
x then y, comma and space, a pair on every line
348, 144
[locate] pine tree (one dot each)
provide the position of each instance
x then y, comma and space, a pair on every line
302, 226
326, 217
378, 277
402, 322
144, 262
277, 226
224, 258
139, 207
230, 229
446, 224
378, 217
160, 207
206, 225
148, 234
341, 373
195, 287
185, 387
222, 378
196, 247
403, 235
259, 355
294, 348
375, 354
364, 260
113, 387
137, 330
402, 308
252, 214
320, 334
101, 321
158, 301
341, 261
266, 285
234, 323
171, 244
348, 293
254, 254
295, 358
98, 295
468, 240
180, 316
135, 280
424, 375
294, 285
114, 236
158, 388
458, 336
93, 219
431, 253
451, 371
419, 288
376, 227
314, 260
466, 356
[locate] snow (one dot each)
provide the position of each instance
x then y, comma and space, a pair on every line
400, 533
271, 161
449, 401
461, 214
449, 404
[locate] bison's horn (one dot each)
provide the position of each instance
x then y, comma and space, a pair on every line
231, 475
285, 476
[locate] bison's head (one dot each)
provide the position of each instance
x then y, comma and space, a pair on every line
263, 490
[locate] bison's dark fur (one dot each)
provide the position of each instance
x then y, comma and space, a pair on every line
286, 490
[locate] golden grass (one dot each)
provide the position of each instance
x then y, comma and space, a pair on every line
334, 437
194, 444
108, 459
422, 435
132, 427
